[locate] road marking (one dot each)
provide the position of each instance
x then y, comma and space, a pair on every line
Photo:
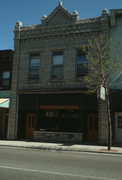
55, 173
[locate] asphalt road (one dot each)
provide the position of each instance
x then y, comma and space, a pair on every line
30, 164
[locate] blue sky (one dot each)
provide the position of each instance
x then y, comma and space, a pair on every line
30, 12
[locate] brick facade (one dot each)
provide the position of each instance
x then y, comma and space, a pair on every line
6, 60
60, 31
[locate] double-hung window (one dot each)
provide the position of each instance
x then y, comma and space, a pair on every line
81, 64
34, 66
57, 65
6, 78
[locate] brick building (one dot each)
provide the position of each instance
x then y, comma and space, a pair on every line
48, 100
116, 36
6, 59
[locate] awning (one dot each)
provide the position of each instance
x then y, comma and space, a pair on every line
4, 102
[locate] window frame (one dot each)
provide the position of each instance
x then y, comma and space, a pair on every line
53, 66
34, 68
78, 63
6, 79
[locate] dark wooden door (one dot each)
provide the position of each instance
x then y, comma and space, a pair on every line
92, 134
30, 125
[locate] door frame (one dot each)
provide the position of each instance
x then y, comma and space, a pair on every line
30, 126
92, 137
117, 130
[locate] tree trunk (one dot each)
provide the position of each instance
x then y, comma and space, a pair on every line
109, 120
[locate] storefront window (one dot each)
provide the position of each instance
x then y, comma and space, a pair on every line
61, 120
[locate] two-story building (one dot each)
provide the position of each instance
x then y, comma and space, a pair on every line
48, 99
6, 59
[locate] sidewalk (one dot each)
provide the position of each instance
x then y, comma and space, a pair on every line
61, 146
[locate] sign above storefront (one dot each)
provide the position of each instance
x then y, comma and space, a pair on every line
74, 107
4, 102
101, 94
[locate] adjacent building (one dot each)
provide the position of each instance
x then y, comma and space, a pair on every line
116, 100
6, 59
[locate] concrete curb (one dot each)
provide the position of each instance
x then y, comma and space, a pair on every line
68, 149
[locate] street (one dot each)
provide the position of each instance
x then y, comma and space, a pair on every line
32, 164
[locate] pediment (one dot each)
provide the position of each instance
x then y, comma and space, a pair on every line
59, 16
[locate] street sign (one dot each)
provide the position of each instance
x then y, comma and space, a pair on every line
102, 92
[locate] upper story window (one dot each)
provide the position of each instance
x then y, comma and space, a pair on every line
57, 65
34, 66
6, 78
81, 64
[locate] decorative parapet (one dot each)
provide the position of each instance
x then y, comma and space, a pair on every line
18, 25
70, 23
82, 26
60, 3
51, 18
113, 14
104, 12
112, 18
17, 28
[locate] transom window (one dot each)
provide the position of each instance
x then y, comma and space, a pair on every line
6, 78
57, 65
34, 66
81, 63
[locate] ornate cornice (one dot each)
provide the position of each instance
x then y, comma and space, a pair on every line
79, 22
59, 36
66, 28
27, 33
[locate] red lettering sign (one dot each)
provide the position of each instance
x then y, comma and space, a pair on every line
75, 107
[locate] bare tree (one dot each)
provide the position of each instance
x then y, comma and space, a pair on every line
104, 71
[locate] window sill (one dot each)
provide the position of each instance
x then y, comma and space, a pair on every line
56, 80
79, 78
5, 88
33, 80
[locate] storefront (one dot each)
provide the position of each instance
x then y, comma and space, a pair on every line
4, 110
63, 114
60, 118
